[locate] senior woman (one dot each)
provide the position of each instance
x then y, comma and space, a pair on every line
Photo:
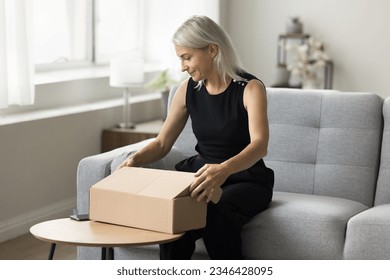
228, 109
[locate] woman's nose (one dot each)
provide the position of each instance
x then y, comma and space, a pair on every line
183, 67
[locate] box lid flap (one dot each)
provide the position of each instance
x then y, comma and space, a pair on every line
122, 181
169, 184
149, 182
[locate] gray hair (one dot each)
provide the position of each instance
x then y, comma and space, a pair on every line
199, 32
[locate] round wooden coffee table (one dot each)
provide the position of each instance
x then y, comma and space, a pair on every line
96, 234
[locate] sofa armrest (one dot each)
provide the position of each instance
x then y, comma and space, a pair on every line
94, 168
368, 235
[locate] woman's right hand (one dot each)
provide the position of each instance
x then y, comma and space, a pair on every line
129, 162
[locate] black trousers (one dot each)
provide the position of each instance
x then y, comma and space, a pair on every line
240, 201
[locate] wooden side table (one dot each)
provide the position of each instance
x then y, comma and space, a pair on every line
96, 234
113, 138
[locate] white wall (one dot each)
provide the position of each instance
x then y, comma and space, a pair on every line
354, 31
38, 166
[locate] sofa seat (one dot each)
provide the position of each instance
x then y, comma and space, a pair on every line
369, 227
300, 226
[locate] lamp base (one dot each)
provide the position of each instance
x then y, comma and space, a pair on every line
126, 125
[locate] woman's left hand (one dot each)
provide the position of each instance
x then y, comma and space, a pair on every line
208, 182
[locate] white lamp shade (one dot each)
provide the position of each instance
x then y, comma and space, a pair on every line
126, 73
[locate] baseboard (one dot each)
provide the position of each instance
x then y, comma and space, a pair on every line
21, 224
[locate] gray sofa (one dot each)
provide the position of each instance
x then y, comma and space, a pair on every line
330, 152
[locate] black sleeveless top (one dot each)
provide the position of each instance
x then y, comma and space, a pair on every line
219, 122
220, 125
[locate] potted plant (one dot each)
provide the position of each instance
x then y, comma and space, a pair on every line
162, 82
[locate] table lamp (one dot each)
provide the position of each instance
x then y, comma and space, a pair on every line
126, 74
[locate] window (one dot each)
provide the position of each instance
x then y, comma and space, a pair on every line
69, 33
162, 18
118, 28
61, 30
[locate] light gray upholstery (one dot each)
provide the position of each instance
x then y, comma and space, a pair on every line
300, 226
383, 187
325, 143
325, 149
368, 234
186, 141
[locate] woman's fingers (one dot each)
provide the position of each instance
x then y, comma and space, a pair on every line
197, 187
206, 185
215, 195
203, 191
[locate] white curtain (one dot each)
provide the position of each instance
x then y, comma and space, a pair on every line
16, 65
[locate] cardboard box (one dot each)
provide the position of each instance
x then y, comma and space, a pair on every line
152, 199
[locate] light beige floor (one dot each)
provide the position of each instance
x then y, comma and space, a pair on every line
27, 247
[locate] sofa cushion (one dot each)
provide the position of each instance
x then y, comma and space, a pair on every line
300, 226
368, 234
325, 142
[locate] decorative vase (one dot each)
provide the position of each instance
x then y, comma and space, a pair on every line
310, 83
294, 80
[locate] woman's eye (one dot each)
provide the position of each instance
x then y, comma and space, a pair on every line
185, 58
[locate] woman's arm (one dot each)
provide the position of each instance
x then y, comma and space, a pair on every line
173, 125
255, 102
211, 176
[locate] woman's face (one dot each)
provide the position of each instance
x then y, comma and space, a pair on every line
198, 63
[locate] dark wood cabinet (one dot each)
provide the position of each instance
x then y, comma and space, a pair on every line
113, 138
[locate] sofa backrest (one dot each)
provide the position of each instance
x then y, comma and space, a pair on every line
383, 186
325, 142
321, 142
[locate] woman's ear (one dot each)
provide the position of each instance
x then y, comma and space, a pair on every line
213, 50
